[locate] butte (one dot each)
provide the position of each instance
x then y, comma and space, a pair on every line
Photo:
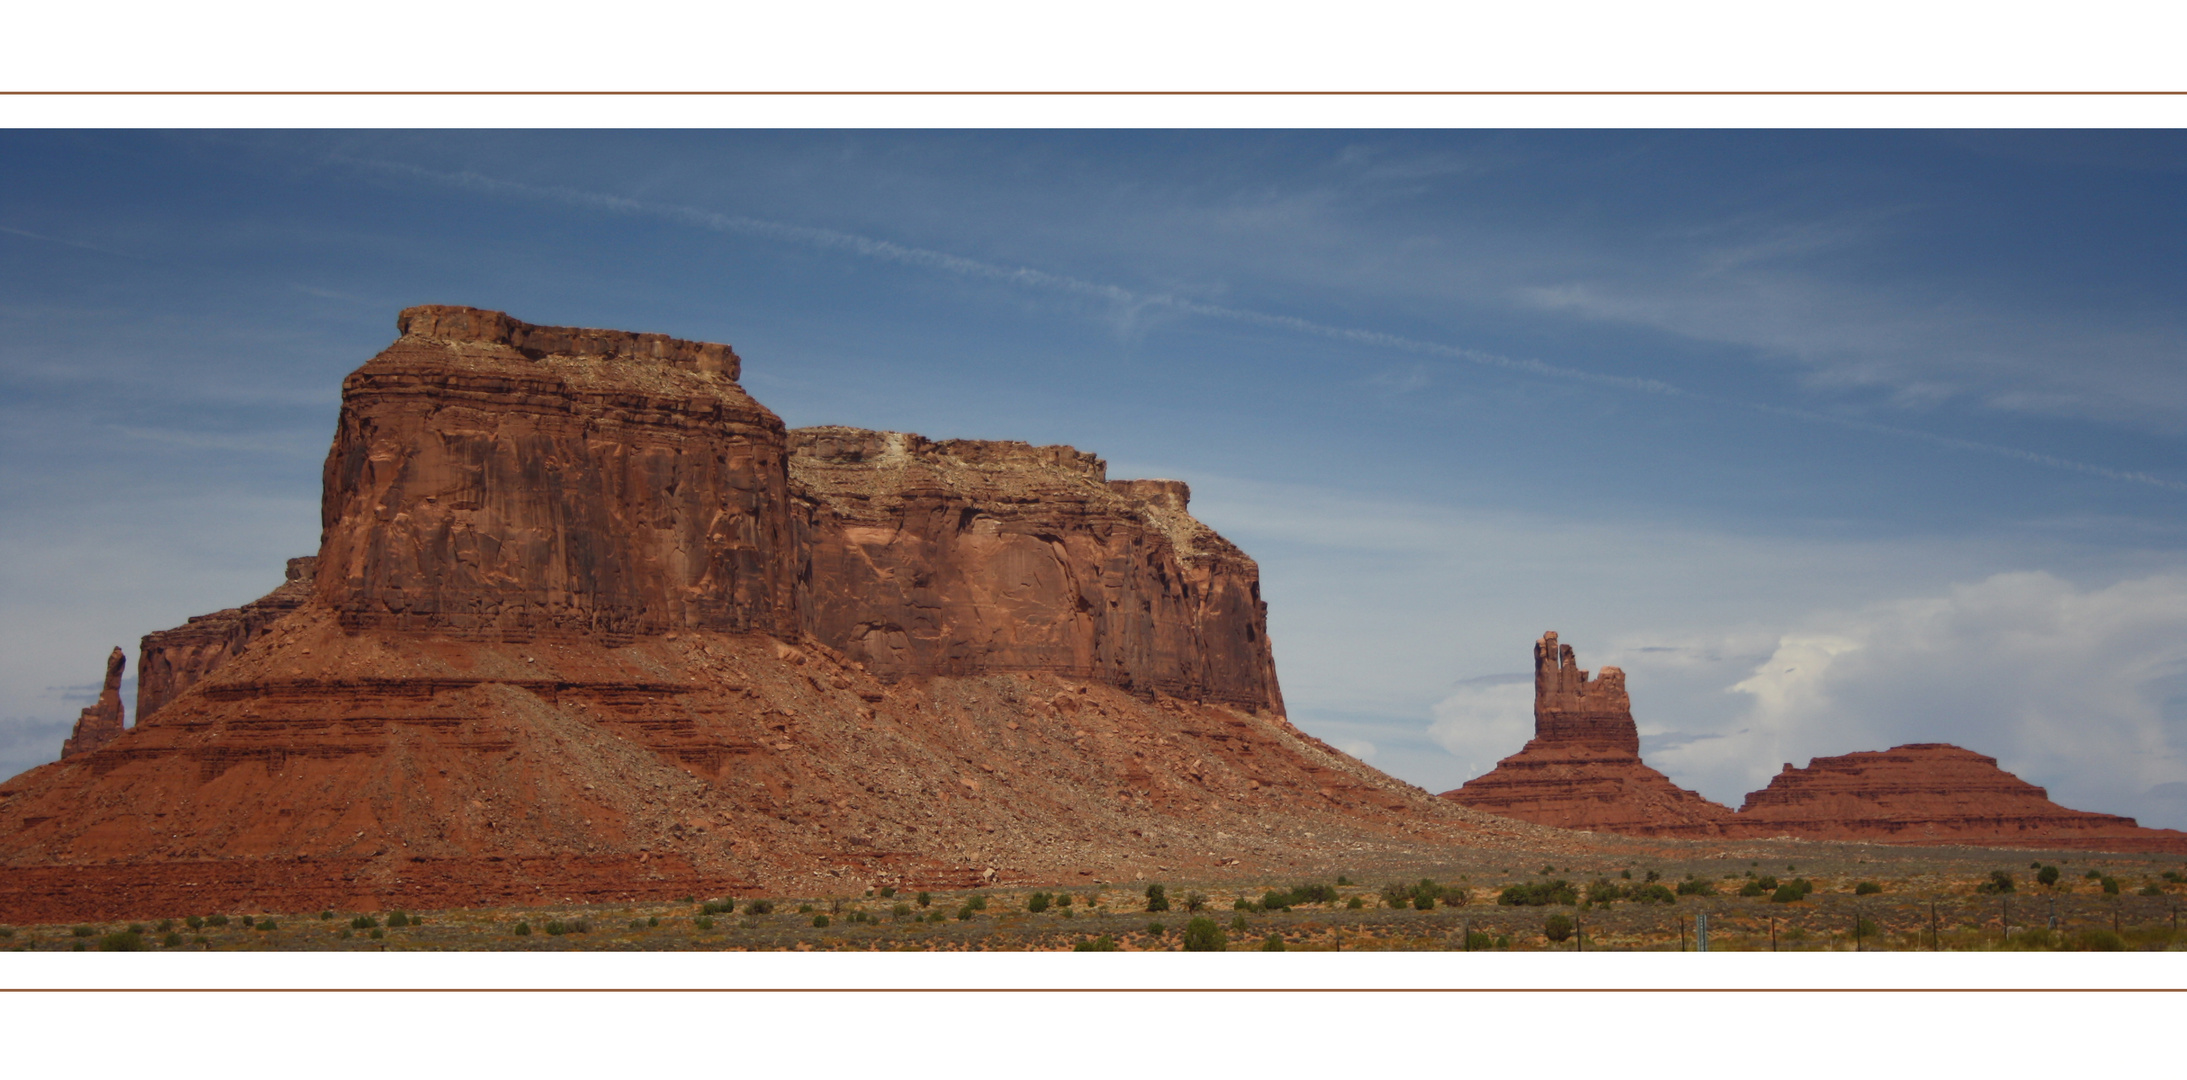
588, 624
1582, 768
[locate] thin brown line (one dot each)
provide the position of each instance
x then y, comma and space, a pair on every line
1093, 93
1101, 990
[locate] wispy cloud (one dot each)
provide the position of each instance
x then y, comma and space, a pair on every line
1135, 301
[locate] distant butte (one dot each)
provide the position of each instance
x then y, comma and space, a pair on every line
1933, 793
1582, 768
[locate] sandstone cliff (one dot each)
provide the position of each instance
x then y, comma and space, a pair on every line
968, 558
1582, 768
1933, 793
169, 661
101, 722
583, 626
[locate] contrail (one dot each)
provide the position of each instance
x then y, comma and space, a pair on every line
960, 266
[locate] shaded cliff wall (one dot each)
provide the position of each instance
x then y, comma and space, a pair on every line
170, 661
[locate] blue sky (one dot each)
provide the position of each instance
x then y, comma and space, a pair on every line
1832, 440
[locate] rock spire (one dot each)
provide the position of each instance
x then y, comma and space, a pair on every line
101, 723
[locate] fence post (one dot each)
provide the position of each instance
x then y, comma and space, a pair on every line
1773, 933
1935, 944
1701, 932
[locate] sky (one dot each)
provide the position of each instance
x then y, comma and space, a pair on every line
1833, 440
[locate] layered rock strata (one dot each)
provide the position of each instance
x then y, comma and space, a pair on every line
1933, 793
971, 557
1582, 768
169, 661
576, 633
101, 722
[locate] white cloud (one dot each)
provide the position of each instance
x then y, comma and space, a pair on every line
2083, 690
1485, 720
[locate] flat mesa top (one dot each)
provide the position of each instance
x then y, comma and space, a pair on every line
468, 325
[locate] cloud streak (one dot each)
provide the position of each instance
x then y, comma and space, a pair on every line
1133, 301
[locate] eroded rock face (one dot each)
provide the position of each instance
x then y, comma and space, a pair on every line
575, 633
1933, 793
1582, 768
493, 479
101, 722
972, 557
169, 661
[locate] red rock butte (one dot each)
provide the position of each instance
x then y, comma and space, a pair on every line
1582, 768
1933, 793
586, 623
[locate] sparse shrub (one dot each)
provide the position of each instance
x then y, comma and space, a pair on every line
378, 934
1538, 894
1238, 923
397, 919
1355, 903
198, 940
804, 909
887, 891
978, 902
171, 940
266, 924
346, 934
2000, 882
523, 929
1653, 894
652, 921
1397, 894
1342, 880
194, 923
2174, 876
1868, 888
2151, 889
82, 931
925, 898
1478, 940
704, 922
1275, 901
1604, 891
1768, 882
125, 941
7, 931
820, 922
1626, 875
1273, 944
1104, 943
136, 928
2093, 875
1558, 928
218, 920
718, 907
966, 913
1155, 929
937, 916
2047, 876
1157, 898
325, 916
1195, 901
1202, 935
2110, 885
637, 924
1063, 899
1792, 892
363, 922
1865, 928
1242, 904
1752, 888
900, 910
1037, 903
1694, 886
1654, 876
165, 926
760, 907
